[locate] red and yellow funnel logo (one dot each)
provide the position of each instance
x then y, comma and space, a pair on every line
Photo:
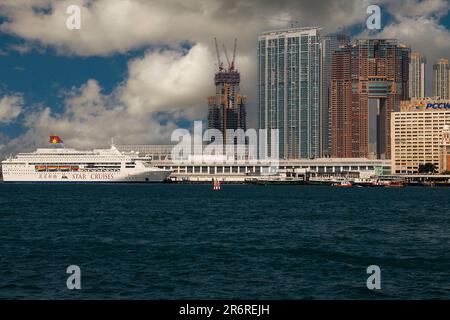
55, 140
420, 105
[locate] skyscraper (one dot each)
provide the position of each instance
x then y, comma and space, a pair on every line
369, 79
227, 108
442, 79
329, 44
417, 76
289, 89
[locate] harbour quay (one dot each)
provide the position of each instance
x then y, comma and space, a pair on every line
240, 171
204, 169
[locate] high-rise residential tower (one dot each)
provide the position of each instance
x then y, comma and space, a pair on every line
442, 79
417, 76
369, 79
227, 108
329, 44
289, 89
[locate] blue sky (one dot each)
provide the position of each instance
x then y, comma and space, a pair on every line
42, 68
43, 75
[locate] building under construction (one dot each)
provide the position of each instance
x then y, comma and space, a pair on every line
227, 108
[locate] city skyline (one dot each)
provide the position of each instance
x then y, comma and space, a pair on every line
225, 159
77, 86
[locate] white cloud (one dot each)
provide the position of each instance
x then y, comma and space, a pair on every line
418, 8
161, 88
171, 81
110, 26
10, 108
90, 119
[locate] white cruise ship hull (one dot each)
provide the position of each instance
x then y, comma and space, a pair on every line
88, 177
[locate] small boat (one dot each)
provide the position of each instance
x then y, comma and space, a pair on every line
342, 184
216, 184
395, 184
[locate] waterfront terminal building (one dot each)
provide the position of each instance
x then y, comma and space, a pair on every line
418, 135
204, 168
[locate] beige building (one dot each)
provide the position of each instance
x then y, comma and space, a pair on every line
417, 133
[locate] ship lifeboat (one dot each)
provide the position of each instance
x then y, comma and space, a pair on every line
74, 168
64, 168
40, 168
52, 168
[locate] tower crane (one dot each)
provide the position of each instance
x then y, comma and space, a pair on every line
234, 56
226, 56
219, 63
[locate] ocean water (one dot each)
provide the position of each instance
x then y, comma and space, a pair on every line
164, 241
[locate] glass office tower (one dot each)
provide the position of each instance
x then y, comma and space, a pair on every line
289, 71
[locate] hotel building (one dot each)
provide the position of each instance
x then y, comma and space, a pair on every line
417, 134
369, 79
289, 80
330, 43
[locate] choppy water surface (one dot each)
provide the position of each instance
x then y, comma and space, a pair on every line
250, 242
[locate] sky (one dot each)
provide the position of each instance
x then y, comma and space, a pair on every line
138, 69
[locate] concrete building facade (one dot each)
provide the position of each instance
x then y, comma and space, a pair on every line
417, 133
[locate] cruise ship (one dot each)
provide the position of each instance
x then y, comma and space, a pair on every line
60, 164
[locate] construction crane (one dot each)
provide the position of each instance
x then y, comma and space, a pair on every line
226, 56
231, 63
234, 55
219, 63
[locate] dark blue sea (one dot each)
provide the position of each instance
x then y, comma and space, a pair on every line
164, 241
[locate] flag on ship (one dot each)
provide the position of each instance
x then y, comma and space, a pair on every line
55, 139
